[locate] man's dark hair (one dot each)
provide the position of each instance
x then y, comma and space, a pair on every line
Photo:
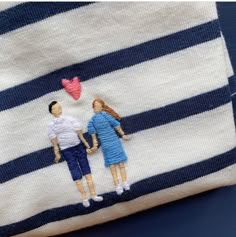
51, 105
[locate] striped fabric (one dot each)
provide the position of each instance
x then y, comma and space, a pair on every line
163, 67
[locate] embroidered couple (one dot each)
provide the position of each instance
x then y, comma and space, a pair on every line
66, 136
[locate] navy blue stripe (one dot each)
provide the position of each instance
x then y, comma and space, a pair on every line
131, 124
232, 84
40, 86
177, 111
31, 12
138, 189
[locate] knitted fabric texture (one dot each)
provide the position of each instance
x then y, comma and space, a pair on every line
163, 66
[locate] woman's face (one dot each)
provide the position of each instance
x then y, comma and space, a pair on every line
97, 107
56, 110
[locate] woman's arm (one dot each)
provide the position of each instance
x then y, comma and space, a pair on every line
92, 131
122, 133
95, 142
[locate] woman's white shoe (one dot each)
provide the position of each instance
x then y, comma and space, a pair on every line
119, 190
86, 203
126, 186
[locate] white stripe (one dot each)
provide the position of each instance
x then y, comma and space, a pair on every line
139, 78
91, 31
221, 178
150, 152
129, 91
9, 4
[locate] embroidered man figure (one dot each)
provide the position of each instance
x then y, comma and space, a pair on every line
63, 132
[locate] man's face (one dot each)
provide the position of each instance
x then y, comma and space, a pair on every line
56, 110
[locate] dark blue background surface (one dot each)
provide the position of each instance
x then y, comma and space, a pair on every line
212, 214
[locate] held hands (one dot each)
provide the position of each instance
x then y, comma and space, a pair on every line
91, 150
94, 148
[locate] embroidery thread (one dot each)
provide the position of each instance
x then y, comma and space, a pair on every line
66, 132
72, 87
103, 125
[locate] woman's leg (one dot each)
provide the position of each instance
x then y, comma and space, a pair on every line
119, 189
114, 175
123, 172
124, 176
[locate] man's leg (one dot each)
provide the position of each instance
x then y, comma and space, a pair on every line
80, 187
86, 171
91, 187
75, 173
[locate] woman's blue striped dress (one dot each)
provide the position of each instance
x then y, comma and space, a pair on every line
103, 125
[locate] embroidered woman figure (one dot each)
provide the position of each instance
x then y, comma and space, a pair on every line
102, 125
63, 132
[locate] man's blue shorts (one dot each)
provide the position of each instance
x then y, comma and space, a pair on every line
76, 158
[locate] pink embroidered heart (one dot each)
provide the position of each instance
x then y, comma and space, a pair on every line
72, 87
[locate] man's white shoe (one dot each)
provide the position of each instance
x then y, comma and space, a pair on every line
86, 203
97, 198
126, 186
119, 190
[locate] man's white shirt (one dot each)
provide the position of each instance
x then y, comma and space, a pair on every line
64, 129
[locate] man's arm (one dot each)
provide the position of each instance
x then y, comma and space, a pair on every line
82, 139
56, 150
